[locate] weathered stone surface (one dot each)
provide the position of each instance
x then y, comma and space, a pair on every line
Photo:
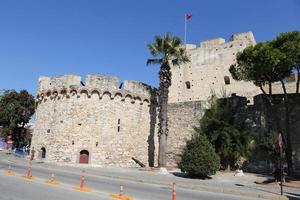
72, 116
182, 119
208, 67
112, 125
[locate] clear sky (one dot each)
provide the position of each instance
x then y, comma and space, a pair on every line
56, 37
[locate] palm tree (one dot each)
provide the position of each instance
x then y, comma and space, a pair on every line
168, 51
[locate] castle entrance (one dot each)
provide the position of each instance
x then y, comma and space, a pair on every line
84, 157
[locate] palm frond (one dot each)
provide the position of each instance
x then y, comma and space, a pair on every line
176, 42
158, 42
153, 49
167, 48
154, 61
180, 56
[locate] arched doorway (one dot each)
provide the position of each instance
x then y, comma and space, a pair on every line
43, 152
84, 157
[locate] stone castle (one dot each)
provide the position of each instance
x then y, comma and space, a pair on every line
208, 70
105, 123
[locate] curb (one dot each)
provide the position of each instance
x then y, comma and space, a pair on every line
196, 188
206, 189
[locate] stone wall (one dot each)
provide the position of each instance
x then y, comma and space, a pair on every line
116, 121
195, 81
259, 117
112, 124
267, 118
290, 85
182, 119
46, 83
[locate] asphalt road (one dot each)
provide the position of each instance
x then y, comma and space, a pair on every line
16, 188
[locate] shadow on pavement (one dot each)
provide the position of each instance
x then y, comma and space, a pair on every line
254, 188
184, 175
293, 196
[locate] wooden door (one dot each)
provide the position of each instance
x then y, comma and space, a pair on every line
84, 157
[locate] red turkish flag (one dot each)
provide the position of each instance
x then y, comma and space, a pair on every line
188, 16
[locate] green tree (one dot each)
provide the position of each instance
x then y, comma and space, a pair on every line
199, 158
269, 62
289, 44
167, 51
261, 64
226, 131
268, 143
16, 110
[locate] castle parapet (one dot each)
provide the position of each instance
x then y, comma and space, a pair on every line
212, 43
190, 46
46, 83
102, 82
70, 85
247, 36
137, 87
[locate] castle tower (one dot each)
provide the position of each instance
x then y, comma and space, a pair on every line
208, 71
97, 122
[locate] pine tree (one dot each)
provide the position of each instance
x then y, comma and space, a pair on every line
226, 132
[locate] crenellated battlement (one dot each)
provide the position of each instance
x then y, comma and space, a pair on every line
71, 85
235, 40
209, 70
212, 43
114, 122
109, 120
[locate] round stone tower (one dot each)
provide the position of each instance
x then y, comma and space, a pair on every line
98, 122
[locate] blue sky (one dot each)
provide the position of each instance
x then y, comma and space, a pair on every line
55, 37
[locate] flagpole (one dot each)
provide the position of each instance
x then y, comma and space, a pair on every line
185, 28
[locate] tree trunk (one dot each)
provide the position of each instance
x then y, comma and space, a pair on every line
268, 96
165, 82
288, 149
298, 80
162, 161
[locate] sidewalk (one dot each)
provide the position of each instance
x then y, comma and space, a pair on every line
220, 183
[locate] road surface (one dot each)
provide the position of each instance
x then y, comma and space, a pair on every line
17, 188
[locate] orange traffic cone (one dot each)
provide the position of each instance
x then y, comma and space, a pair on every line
29, 174
51, 180
121, 195
82, 182
9, 172
121, 191
173, 191
81, 186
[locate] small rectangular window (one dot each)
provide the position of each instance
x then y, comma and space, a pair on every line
119, 125
188, 85
226, 80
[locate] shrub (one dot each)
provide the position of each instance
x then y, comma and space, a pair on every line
199, 158
226, 129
